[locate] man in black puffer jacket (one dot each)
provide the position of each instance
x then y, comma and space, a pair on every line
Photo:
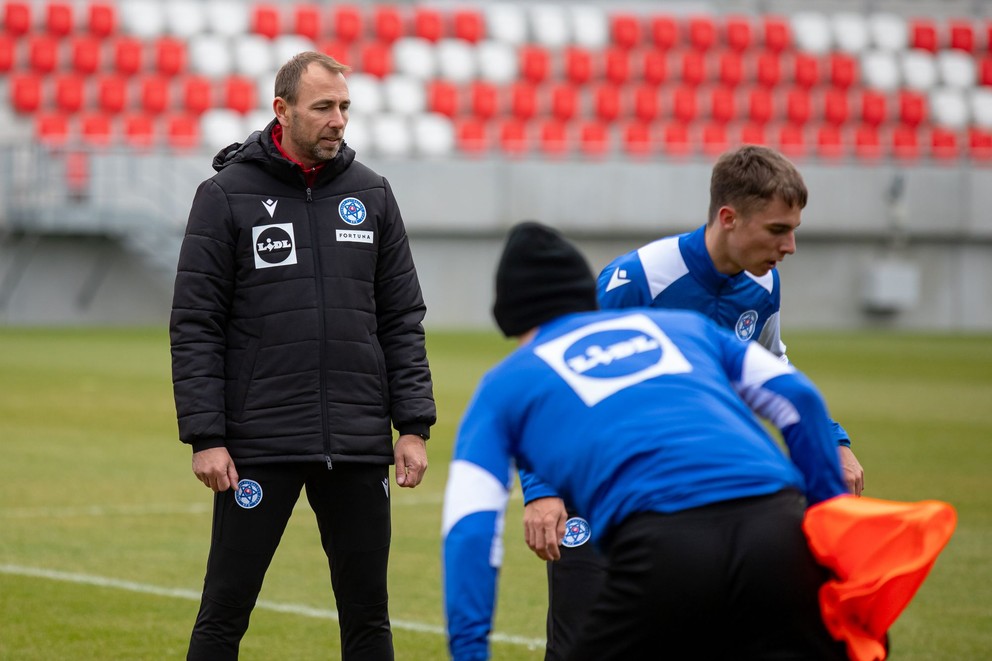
297, 345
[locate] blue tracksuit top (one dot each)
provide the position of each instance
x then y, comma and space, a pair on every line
622, 412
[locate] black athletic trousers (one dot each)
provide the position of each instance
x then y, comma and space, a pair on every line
734, 580
351, 504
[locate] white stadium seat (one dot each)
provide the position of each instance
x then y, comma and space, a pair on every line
210, 55
812, 32
888, 31
881, 70
285, 46
403, 95
366, 95
257, 120
253, 55
433, 135
391, 135
356, 135
220, 128
549, 25
456, 60
227, 17
919, 69
507, 23
850, 32
980, 102
414, 56
144, 19
949, 108
185, 18
590, 27
497, 62
957, 68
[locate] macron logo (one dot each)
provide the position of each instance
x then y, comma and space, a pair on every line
618, 279
270, 206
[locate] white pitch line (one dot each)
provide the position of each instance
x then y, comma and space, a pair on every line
192, 595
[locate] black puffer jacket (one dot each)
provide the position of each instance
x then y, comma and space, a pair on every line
296, 321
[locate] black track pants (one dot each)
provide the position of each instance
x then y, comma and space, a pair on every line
351, 505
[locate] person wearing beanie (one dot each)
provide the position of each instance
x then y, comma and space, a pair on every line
645, 421
726, 270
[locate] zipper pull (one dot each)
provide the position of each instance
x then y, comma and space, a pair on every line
309, 196
327, 458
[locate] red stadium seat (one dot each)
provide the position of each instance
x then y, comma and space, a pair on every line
17, 18
471, 135
308, 21
737, 33
512, 136
51, 128
750, 133
43, 53
768, 68
664, 31
375, 58
912, 107
347, 23
388, 23
182, 131
646, 103
85, 53
760, 105
842, 70
701, 32
96, 129
684, 104
443, 98
553, 138
59, 18
197, 94
905, 143
961, 35
676, 140
626, 30
830, 141
722, 104
101, 19
607, 102
170, 56
468, 25
8, 53
112, 93
836, 106
563, 100
985, 70
616, 65
138, 130
692, 67
26, 93
979, 144
154, 94
714, 138
484, 100
240, 94
535, 63
798, 105
923, 35
867, 142
805, 70
128, 55
593, 138
266, 20
874, 107
654, 67
428, 23
944, 144
791, 140
730, 68
339, 50
70, 93
637, 139
578, 65
523, 100
777, 35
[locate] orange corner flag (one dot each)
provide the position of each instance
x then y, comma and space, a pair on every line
880, 551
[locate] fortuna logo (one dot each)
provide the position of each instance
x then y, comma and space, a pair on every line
596, 355
745, 325
618, 279
270, 206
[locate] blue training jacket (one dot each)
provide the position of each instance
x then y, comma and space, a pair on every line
622, 412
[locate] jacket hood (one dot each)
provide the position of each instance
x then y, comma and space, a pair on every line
259, 147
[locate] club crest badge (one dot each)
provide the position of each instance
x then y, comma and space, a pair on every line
745, 325
577, 532
248, 494
352, 211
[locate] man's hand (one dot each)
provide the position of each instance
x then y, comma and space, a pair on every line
854, 474
544, 526
411, 460
215, 468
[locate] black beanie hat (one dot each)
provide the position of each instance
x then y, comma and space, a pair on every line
540, 276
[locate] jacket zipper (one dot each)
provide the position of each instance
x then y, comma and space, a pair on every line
320, 314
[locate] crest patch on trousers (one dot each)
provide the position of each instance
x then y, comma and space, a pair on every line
248, 494
577, 532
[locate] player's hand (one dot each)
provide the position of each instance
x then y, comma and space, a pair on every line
854, 474
215, 468
411, 460
544, 526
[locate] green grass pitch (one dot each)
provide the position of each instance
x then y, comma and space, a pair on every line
104, 529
